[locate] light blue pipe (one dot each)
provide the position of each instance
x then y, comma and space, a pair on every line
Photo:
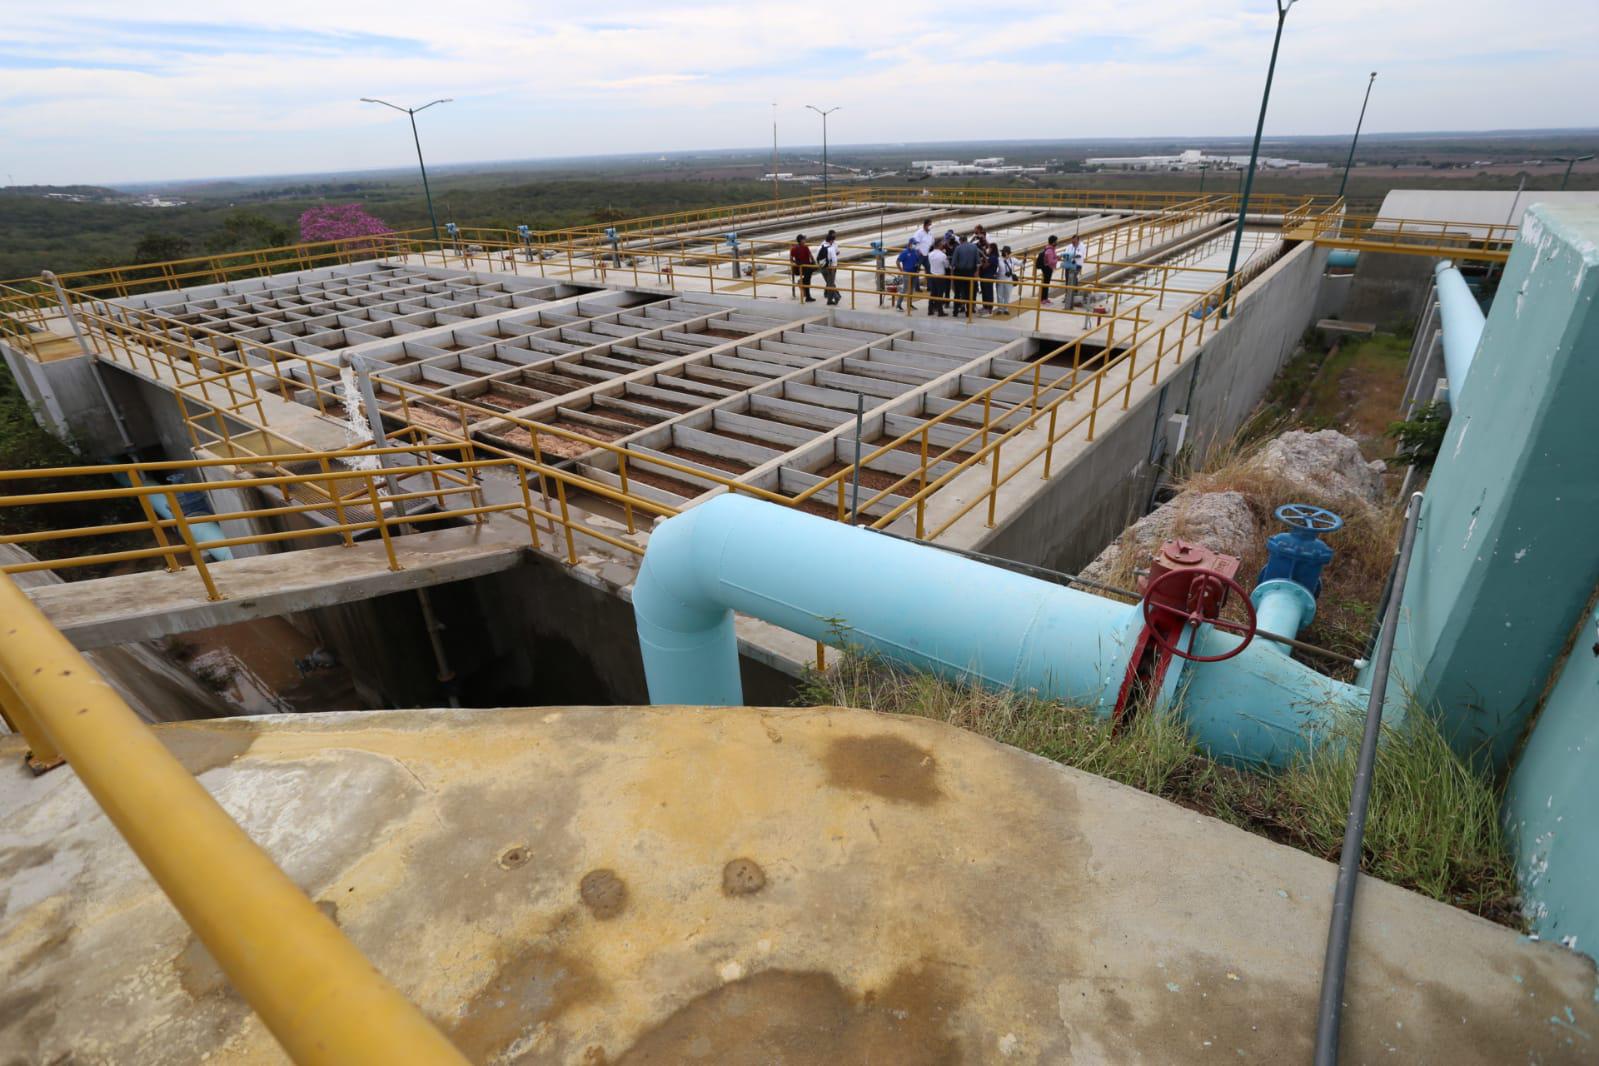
1282, 607
939, 612
202, 532
1343, 259
1462, 320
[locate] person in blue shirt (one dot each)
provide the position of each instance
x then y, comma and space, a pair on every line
910, 265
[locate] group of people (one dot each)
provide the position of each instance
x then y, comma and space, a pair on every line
960, 270
964, 270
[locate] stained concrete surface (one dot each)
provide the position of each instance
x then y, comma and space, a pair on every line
731, 885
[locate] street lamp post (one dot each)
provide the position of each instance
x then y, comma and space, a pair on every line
411, 113
1570, 162
774, 150
1356, 140
1202, 168
1254, 156
824, 115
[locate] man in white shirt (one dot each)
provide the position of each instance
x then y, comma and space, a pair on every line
1071, 263
923, 239
827, 259
938, 279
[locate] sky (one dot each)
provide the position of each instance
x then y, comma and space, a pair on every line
94, 91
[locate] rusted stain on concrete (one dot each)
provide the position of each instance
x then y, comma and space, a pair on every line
510, 1018
888, 766
603, 893
202, 746
806, 1019
742, 877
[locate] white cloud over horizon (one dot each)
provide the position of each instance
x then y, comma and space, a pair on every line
91, 94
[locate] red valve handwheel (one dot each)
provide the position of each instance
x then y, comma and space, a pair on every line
1190, 613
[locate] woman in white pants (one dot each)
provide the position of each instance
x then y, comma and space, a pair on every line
1005, 280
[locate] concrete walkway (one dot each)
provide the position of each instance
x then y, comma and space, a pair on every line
151, 604
749, 885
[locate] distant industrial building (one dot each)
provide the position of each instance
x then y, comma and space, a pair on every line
1193, 159
994, 164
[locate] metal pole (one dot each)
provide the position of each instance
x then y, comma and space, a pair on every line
411, 113
774, 152
1356, 139
1254, 156
426, 192
824, 154
1571, 162
1330, 1009
824, 115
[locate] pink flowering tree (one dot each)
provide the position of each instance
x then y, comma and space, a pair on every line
337, 222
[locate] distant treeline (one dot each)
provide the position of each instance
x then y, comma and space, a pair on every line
240, 214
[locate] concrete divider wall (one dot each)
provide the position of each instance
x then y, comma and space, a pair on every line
1088, 503
538, 634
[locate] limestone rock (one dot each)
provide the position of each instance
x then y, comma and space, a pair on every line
1222, 521
1327, 465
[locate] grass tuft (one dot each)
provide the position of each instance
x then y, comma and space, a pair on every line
1432, 826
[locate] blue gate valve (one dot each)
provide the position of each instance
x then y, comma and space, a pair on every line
1298, 554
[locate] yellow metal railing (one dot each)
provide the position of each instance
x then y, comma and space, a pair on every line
351, 500
227, 378
314, 990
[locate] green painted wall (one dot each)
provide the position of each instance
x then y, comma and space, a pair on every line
1552, 806
1507, 554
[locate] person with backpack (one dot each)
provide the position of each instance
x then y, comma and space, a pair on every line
1048, 258
964, 264
910, 265
988, 272
827, 259
1005, 281
937, 278
802, 265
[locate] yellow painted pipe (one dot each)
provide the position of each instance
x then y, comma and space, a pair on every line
317, 993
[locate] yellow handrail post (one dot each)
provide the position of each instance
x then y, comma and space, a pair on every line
621, 474
195, 553
1049, 441
527, 506
169, 558
381, 522
318, 995
993, 483
332, 489
566, 520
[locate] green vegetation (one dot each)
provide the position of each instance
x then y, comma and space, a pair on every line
26, 446
1432, 828
1422, 435
59, 235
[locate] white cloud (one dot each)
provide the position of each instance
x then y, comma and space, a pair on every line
199, 89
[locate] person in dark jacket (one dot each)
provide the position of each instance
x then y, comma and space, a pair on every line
964, 264
988, 272
802, 265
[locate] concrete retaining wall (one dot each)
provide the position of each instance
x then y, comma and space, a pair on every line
535, 635
1090, 502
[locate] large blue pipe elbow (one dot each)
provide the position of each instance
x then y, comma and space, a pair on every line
916, 605
939, 612
1463, 320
